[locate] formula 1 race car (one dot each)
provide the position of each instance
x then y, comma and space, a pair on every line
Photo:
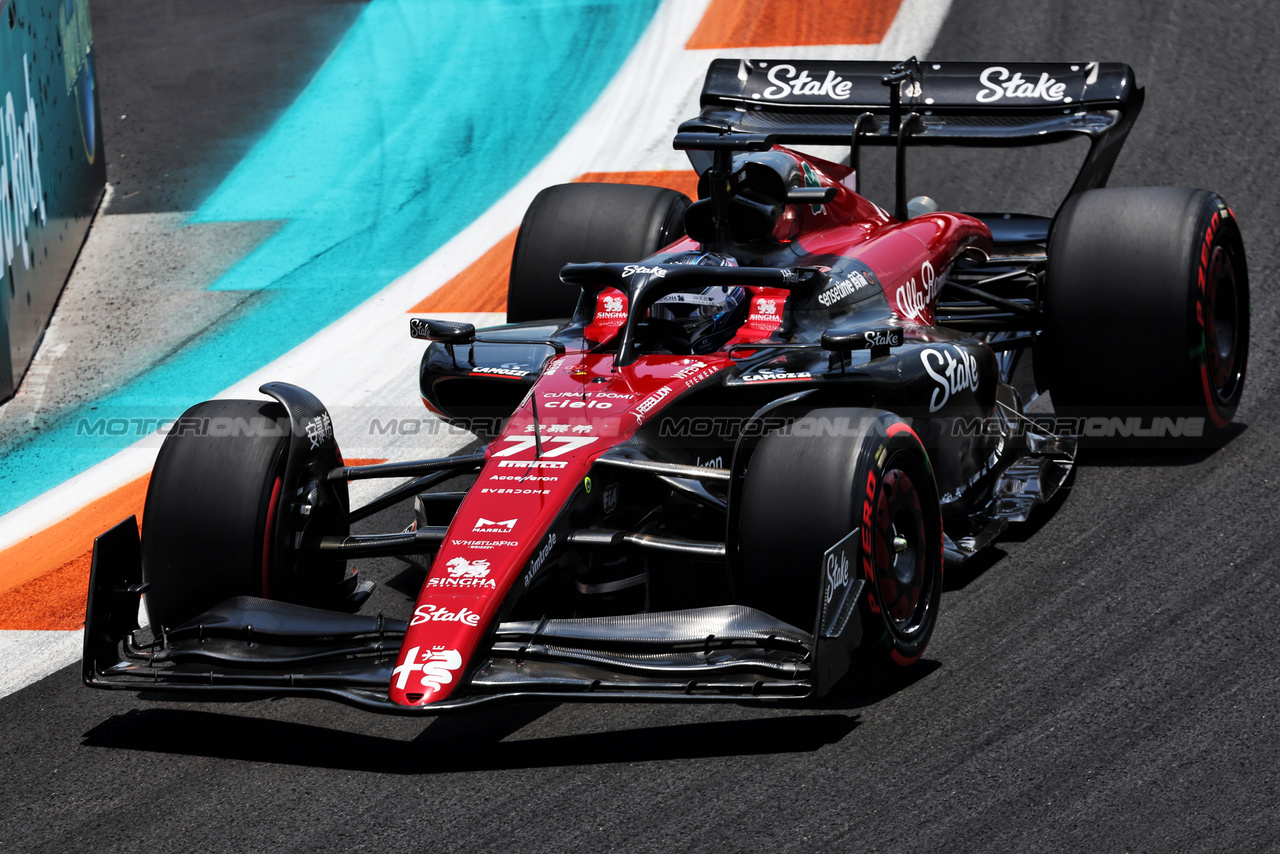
731, 444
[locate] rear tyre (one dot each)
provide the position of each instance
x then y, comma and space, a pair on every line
1147, 307
211, 508
585, 222
806, 489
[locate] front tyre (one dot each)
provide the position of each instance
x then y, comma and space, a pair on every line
211, 509
810, 484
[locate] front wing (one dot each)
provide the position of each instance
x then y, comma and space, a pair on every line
257, 647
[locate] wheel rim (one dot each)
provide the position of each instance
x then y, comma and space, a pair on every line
901, 555
1222, 325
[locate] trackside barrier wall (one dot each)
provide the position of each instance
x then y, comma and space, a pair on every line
52, 168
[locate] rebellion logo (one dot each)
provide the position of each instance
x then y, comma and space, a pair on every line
998, 84
642, 411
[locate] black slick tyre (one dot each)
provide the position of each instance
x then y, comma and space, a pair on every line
806, 487
211, 508
1146, 310
585, 222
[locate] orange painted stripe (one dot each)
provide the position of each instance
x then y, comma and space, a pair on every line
480, 287
364, 461
53, 602
59, 544
45, 578
483, 285
684, 181
731, 24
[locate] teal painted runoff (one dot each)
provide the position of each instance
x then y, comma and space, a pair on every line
423, 116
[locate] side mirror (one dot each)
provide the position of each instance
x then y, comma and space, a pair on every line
444, 331
811, 195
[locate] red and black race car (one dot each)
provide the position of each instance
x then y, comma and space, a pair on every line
731, 444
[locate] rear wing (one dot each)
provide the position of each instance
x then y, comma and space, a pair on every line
925, 103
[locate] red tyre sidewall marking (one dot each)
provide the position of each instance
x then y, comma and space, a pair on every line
894, 429
268, 537
1206, 255
868, 547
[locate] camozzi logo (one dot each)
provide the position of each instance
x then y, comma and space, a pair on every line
21, 191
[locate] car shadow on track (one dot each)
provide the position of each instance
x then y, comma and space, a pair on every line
465, 743
857, 690
1142, 457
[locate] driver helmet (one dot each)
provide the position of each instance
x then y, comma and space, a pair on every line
705, 316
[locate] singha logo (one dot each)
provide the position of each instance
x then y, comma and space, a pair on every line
460, 567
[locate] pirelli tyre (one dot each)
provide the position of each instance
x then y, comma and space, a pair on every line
211, 508
807, 486
1146, 303
585, 222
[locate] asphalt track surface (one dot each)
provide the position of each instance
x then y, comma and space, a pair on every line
1103, 680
